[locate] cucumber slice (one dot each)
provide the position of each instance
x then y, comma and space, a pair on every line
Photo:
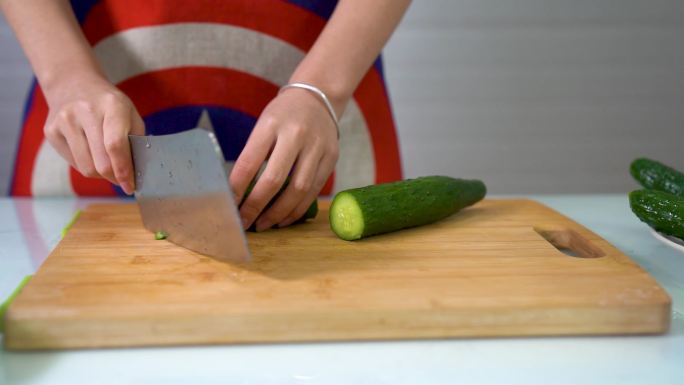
347, 221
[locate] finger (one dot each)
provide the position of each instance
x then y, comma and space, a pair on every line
300, 186
91, 122
56, 139
322, 174
117, 124
78, 145
250, 160
270, 182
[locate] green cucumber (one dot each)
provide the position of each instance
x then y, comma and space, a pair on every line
662, 211
656, 176
310, 213
362, 212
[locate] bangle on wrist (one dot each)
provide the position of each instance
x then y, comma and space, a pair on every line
321, 95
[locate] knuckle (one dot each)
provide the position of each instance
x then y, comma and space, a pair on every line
51, 131
112, 99
317, 142
245, 166
301, 187
85, 106
298, 131
272, 181
64, 115
267, 121
113, 145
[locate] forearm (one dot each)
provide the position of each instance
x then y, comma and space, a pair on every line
52, 41
348, 45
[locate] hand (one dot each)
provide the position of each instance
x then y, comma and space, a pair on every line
297, 131
88, 125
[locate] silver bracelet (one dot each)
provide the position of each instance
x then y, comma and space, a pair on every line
322, 96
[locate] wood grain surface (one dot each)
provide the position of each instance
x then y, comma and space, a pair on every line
494, 269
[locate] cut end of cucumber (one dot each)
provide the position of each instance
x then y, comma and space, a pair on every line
346, 217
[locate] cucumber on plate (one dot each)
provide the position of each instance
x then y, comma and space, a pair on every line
656, 176
662, 211
377, 209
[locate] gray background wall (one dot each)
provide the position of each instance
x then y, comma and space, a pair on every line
539, 96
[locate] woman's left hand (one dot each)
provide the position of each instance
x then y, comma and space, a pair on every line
296, 133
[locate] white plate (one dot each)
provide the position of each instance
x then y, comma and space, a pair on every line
671, 241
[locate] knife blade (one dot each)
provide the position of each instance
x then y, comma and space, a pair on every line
182, 190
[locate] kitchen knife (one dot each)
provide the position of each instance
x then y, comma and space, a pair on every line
182, 190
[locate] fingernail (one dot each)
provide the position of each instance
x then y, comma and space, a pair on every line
245, 222
127, 188
285, 223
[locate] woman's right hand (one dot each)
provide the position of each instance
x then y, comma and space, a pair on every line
88, 125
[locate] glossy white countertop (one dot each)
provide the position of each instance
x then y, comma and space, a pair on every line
29, 229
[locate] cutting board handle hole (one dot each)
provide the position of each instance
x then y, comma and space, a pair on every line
571, 243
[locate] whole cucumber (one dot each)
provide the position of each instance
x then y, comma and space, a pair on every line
362, 212
662, 211
656, 176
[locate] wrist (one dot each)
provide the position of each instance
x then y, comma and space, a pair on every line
59, 82
323, 98
338, 95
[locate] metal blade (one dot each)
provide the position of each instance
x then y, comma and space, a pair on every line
182, 190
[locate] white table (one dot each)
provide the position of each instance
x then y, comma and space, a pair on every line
30, 228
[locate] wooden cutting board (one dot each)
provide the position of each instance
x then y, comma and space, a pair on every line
491, 270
